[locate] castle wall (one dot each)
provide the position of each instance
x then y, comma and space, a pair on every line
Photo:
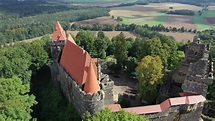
54, 73
193, 115
56, 48
82, 101
167, 115
178, 113
194, 87
107, 86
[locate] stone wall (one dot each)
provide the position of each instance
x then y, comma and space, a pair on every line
54, 73
179, 113
82, 101
107, 86
56, 48
193, 115
194, 87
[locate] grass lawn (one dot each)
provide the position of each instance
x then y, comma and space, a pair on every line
200, 21
160, 18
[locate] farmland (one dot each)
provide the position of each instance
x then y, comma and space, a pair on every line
101, 20
180, 37
151, 15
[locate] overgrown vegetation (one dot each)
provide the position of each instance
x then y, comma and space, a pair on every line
17, 64
108, 115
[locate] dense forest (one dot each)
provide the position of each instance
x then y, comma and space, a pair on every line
26, 21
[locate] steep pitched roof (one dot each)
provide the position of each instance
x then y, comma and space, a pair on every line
71, 39
91, 84
75, 61
59, 33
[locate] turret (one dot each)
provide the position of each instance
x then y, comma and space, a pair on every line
58, 41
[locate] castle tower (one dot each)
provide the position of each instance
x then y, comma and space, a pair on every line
91, 84
78, 75
58, 41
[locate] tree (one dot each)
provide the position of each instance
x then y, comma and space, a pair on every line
55, 106
120, 52
137, 48
119, 18
149, 75
108, 115
101, 35
39, 57
155, 47
86, 39
15, 61
15, 102
101, 44
131, 64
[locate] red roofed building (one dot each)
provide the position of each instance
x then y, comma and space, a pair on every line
78, 75
59, 34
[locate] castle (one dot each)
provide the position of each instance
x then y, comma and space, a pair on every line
78, 75
80, 78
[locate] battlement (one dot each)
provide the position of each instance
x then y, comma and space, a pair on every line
74, 92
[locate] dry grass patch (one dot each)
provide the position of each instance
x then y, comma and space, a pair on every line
180, 37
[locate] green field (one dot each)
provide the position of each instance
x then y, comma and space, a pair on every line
200, 21
159, 18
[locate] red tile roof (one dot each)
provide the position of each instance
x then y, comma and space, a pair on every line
95, 60
144, 109
114, 107
177, 101
91, 84
192, 99
187, 94
75, 61
59, 34
71, 39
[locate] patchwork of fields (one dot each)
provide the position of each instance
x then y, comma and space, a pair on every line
149, 14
